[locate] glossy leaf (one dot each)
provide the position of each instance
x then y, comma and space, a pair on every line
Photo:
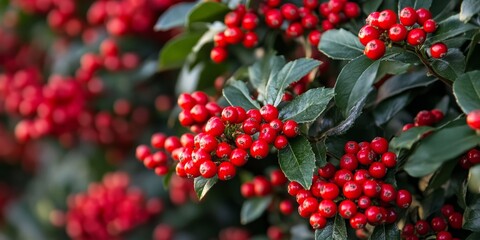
297, 161
291, 72
468, 9
263, 70
253, 208
467, 91
385, 232
176, 51
335, 230
451, 65
471, 217
387, 109
442, 175
203, 185
207, 12
308, 106
173, 17
355, 82
348, 122
449, 28
237, 94
404, 82
341, 44
441, 146
416, 4
371, 6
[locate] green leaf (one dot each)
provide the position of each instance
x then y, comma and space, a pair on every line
404, 82
308, 106
451, 65
385, 110
291, 72
263, 70
473, 236
441, 146
203, 185
176, 51
207, 12
442, 175
173, 17
371, 6
467, 91
237, 94
385, 232
354, 82
471, 217
416, 4
297, 161
253, 208
348, 122
335, 230
468, 9
341, 45
320, 150
449, 28
432, 203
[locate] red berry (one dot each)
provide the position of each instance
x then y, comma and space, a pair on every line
310, 205
208, 169
172, 143
422, 227
387, 193
274, 233
437, 114
142, 152
364, 202
290, 128
280, 142
386, 19
408, 16
250, 21
277, 178
358, 221
232, 19
347, 209
327, 208
351, 147
274, 18
247, 190
389, 159
267, 133
329, 191
251, 126
191, 170
214, 126
226, 171
424, 118
250, 40
310, 21
342, 176
276, 124
233, 35
349, 162
444, 235
473, 156
327, 25
438, 224
310, 4
314, 37
238, 157
317, 221
403, 199
219, 40
416, 37
455, 220
324, 9
273, 3
408, 230
208, 143
371, 188
289, 11
360, 176
218, 54
374, 215
334, 18
438, 50
379, 145
397, 32
372, 19
243, 141
230, 114
430, 26
259, 149
377, 170
223, 150
423, 15
351, 10
366, 156
286, 207
473, 119
327, 171
262, 186
301, 195
293, 188
368, 33
352, 190
336, 5
269, 112
447, 210
374, 49
464, 163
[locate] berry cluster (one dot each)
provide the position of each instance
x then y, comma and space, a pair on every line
425, 118
412, 28
181, 190
109, 209
260, 186
241, 23
473, 119
224, 142
197, 109
469, 159
437, 228
356, 190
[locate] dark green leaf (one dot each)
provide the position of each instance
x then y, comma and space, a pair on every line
404, 82
467, 91
346, 124
173, 17
297, 161
432, 203
441, 176
176, 51
263, 70
473, 236
207, 12
341, 44
308, 106
291, 72
320, 150
355, 82
451, 65
468, 9
441, 146
449, 28
471, 48
385, 232
253, 208
335, 230
371, 6
471, 217
385, 110
416, 4
237, 94
203, 185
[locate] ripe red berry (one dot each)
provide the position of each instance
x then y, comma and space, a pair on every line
208, 169
438, 224
347, 209
267, 133
334, 18
371, 188
386, 19
269, 112
310, 205
290, 128
372, 19
277, 178
191, 170
473, 156
286, 207
259, 149
403, 199
360, 176
218, 54
327, 171
280, 142
233, 35
255, 114
416, 37
250, 21
243, 141
289, 11
366, 156
262, 186
351, 10
223, 150
358, 221
379, 145
142, 152
397, 32
230, 114
219, 40
388, 193
447, 210
247, 190
226, 171
408, 16
238, 157
424, 118
374, 49
293, 188
351, 147
273, 18
208, 143
389, 159
327, 208
158, 140
364, 202
422, 227
314, 37
329, 191
423, 15
444, 235
250, 40
408, 230
352, 190
349, 162
251, 126
232, 19
377, 170
438, 50
374, 215
368, 33
437, 114
310, 4
455, 220
186, 101
310, 21
317, 221
214, 126
327, 25
301, 195
430, 26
